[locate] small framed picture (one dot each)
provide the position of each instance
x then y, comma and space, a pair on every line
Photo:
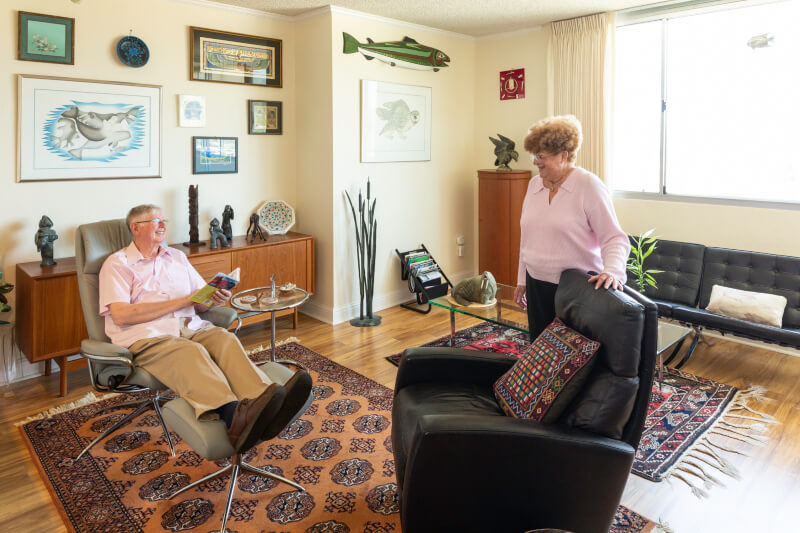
46, 38
191, 111
264, 118
215, 155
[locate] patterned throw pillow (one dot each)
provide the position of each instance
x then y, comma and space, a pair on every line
530, 387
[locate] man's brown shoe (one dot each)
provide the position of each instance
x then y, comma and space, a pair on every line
298, 392
252, 416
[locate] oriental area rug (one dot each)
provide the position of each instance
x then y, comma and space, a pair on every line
691, 421
340, 450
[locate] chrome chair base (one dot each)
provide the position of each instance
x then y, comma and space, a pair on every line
142, 406
236, 464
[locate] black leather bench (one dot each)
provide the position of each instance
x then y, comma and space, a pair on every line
692, 270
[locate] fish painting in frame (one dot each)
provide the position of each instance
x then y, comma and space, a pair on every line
86, 129
395, 122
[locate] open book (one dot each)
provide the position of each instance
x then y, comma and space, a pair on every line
220, 281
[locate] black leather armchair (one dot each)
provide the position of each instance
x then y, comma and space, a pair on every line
462, 465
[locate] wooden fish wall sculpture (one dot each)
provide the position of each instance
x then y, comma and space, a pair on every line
407, 53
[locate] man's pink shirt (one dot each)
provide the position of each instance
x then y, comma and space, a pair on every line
128, 277
579, 229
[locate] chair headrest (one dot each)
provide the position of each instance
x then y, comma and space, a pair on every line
96, 241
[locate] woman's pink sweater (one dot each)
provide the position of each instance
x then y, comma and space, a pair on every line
579, 229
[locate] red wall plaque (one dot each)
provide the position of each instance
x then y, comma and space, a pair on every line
512, 84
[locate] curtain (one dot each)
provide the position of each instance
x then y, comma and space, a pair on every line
580, 64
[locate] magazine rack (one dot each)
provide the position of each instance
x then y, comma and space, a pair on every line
426, 279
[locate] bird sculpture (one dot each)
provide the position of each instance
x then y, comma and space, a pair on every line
504, 152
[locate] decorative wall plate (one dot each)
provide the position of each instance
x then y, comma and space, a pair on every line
276, 216
132, 51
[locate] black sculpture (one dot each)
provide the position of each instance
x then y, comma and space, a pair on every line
366, 237
504, 152
254, 229
194, 229
217, 234
227, 216
44, 238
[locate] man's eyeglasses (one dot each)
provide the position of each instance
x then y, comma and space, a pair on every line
154, 221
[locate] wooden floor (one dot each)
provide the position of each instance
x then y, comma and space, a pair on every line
764, 500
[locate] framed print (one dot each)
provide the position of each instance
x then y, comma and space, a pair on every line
264, 118
235, 58
191, 111
215, 155
395, 122
512, 84
85, 129
46, 38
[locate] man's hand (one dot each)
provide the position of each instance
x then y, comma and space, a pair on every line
221, 296
519, 296
606, 280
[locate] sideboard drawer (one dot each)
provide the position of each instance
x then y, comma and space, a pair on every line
207, 266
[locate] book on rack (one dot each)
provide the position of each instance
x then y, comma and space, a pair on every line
429, 278
219, 281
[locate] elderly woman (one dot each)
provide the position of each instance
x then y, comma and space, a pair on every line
567, 221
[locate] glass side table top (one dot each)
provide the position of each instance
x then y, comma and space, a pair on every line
258, 299
670, 334
504, 312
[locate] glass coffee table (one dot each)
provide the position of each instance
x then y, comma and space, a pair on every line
505, 312
254, 301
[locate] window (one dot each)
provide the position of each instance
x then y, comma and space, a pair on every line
706, 105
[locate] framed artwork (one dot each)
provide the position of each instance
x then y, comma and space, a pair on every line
395, 122
264, 118
235, 58
86, 129
215, 155
46, 38
512, 84
191, 111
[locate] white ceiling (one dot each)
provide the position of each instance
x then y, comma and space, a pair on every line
475, 18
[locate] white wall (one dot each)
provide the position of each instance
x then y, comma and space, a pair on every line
426, 201
267, 164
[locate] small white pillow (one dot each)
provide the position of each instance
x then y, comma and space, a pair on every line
756, 307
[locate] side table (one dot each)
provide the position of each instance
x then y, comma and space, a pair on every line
257, 300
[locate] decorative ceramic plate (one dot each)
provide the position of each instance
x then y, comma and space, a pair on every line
276, 217
132, 51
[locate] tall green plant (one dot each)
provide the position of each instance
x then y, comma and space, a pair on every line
643, 246
5, 288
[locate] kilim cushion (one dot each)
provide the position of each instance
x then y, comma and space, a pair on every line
530, 388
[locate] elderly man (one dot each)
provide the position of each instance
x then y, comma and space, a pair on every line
144, 297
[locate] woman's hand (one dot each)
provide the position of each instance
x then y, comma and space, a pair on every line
519, 296
606, 280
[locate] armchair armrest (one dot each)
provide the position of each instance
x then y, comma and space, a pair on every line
220, 316
98, 349
441, 364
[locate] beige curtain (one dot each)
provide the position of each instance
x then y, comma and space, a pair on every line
580, 82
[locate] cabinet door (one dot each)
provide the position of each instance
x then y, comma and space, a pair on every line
208, 266
58, 317
287, 261
493, 229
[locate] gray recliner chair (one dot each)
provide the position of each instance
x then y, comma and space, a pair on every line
111, 367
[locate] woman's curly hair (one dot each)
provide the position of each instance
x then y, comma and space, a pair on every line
554, 135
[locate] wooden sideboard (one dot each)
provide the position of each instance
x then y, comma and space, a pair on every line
50, 321
500, 196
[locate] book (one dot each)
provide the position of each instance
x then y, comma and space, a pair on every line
219, 281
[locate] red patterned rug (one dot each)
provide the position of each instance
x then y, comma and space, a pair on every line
340, 450
687, 418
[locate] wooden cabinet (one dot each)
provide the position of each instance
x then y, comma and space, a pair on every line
49, 317
50, 321
500, 196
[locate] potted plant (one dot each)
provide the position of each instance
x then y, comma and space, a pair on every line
643, 246
5, 288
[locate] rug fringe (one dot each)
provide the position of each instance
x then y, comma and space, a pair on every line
262, 348
88, 398
663, 527
688, 467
